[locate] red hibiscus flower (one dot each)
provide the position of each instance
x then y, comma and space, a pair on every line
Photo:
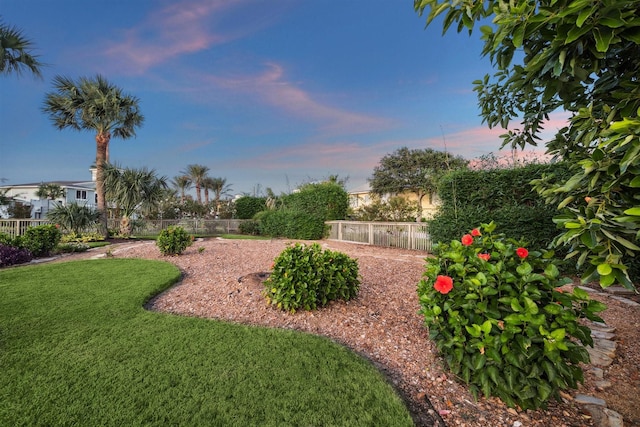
476, 232
467, 239
443, 284
484, 256
522, 252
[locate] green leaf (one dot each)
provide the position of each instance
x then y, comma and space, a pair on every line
572, 225
580, 294
558, 334
635, 211
603, 37
553, 308
584, 14
486, 326
530, 306
524, 269
474, 330
604, 269
518, 35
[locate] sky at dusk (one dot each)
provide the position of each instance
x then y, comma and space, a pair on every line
267, 94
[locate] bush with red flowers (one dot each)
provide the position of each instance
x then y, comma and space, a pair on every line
494, 310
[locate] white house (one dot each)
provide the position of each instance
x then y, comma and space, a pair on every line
362, 196
82, 193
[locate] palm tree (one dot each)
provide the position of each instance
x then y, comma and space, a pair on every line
220, 188
50, 191
207, 184
94, 104
181, 183
73, 217
133, 191
15, 55
197, 174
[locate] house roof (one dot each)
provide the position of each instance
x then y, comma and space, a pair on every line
65, 184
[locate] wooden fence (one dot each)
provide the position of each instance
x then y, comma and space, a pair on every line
406, 235
17, 227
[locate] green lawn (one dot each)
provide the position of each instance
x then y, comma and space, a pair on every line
78, 348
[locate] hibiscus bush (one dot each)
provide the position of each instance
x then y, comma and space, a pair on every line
501, 319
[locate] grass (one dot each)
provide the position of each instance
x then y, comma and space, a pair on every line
78, 348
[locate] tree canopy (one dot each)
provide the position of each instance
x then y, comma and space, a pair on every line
16, 52
582, 57
415, 171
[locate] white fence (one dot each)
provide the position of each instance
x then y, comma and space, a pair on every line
17, 227
406, 235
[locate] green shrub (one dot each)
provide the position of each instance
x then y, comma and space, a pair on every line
42, 239
71, 247
292, 224
251, 227
305, 276
74, 237
326, 200
173, 240
505, 196
501, 321
7, 240
247, 206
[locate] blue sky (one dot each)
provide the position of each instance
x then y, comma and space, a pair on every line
265, 93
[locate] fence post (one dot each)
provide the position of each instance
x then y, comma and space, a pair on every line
412, 230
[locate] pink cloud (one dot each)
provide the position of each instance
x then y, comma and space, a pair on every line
178, 29
273, 88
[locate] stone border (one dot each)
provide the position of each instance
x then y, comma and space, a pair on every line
602, 354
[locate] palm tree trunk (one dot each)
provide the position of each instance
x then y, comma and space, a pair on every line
102, 150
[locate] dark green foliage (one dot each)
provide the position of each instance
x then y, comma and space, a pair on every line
326, 200
71, 247
303, 213
251, 227
501, 321
7, 240
41, 240
173, 240
505, 196
293, 224
306, 277
73, 217
11, 255
248, 206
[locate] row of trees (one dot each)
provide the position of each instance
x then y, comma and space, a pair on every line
197, 176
